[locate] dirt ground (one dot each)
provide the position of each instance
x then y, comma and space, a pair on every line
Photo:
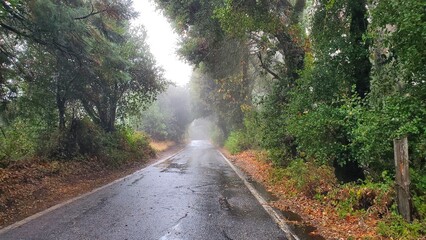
29, 187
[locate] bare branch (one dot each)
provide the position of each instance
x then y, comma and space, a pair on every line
92, 13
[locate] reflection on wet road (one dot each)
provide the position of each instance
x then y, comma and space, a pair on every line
193, 195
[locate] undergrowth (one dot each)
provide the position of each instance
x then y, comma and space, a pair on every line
236, 142
395, 227
362, 199
17, 142
305, 177
85, 140
233, 142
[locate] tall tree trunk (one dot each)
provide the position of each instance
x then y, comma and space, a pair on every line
60, 104
112, 117
358, 28
246, 79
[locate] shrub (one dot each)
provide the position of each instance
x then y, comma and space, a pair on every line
395, 227
17, 141
312, 179
306, 177
232, 143
321, 134
237, 142
418, 188
137, 142
279, 156
83, 139
353, 198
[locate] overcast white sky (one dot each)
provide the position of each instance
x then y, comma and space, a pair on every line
163, 42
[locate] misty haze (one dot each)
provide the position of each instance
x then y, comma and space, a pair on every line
221, 119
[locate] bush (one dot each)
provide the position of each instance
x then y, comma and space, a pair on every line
83, 139
353, 198
395, 227
321, 134
17, 141
234, 143
136, 141
252, 128
418, 189
352, 130
307, 177
372, 130
237, 142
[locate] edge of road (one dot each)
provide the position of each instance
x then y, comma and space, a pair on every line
276, 216
39, 214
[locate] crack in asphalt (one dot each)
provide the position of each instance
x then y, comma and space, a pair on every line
137, 180
186, 215
226, 235
173, 229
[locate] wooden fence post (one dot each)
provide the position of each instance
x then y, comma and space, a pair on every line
402, 177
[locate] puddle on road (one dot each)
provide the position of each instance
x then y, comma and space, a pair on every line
170, 166
303, 231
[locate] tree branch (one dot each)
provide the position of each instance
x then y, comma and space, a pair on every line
11, 29
263, 65
92, 12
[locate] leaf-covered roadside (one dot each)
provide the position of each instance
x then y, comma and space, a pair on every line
28, 187
338, 211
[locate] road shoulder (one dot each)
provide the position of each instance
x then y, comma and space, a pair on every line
47, 186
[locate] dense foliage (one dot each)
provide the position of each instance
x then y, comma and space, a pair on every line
65, 63
329, 82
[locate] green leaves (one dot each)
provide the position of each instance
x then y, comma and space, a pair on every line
235, 22
403, 32
65, 61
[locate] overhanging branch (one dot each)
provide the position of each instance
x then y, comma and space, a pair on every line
92, 12
263, 65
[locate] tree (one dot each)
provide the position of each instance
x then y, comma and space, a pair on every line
168, 118
101, 65
65, 62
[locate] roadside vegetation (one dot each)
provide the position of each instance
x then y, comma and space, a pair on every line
77, 88
322, 88
71, 74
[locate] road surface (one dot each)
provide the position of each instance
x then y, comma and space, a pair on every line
193, 195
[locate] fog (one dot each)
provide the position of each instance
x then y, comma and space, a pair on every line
200, 129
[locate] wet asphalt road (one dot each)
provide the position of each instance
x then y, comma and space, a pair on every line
193, 195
